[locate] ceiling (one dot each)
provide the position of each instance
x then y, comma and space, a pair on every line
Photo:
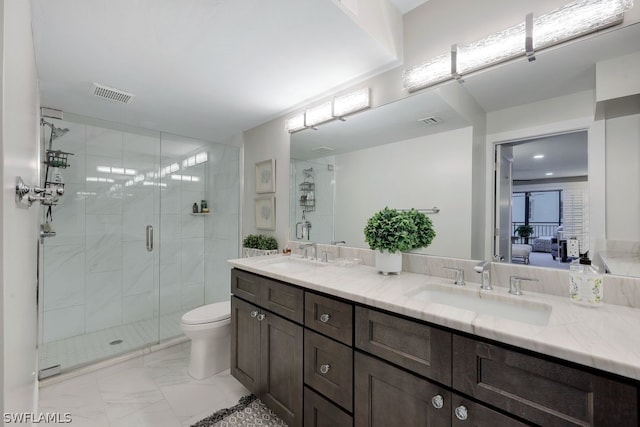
202, 68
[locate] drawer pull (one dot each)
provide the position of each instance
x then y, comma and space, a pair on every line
325, 318
437, 401
461, 412
261, 317
254, 313
325, 368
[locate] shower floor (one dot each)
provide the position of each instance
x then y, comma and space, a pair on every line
95, 346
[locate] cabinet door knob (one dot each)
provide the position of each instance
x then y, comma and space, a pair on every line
325, 318
325, 368
254, 313
261, 317
461, 412
437, 401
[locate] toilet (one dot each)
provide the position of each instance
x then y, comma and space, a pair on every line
209, 328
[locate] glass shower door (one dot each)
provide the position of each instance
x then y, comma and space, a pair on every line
99, 287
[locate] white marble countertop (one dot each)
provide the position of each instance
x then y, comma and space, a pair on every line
605, 338
622, 263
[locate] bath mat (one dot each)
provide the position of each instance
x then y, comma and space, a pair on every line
249, 412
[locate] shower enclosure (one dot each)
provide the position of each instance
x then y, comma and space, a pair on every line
130, 254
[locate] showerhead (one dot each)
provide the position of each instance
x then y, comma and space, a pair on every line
58, 132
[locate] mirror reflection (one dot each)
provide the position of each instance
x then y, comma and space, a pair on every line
421, 152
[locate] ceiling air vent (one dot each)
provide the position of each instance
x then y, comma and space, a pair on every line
430, 121
111, 94
323, 149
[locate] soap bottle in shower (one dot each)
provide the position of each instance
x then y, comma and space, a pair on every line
585, 282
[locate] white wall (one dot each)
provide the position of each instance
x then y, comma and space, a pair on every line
428, 171
20, 157
623, 178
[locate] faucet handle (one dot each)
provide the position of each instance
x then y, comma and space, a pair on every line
515, 283
459, 280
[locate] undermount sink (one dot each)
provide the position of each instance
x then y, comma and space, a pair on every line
487, 304
292, 263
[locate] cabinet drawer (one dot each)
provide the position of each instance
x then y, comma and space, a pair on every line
283, 299
465, 412
328, 368
320, 412
245, 285
538, 390
412, 345
389, 396
329, 317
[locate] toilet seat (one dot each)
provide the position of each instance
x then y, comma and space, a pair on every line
209, 313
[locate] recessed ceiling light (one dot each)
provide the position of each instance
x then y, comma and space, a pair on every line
538, 156
549, 173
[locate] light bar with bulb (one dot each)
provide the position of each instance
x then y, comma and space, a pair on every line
351, 102
319, 114
339, 107
295, 123
570, 21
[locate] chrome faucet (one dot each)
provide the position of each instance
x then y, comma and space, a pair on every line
515, 283
459, 280
484, 268
305, 246
338, 242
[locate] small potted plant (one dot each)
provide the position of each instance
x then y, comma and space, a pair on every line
390, 232
524, 230
259, 244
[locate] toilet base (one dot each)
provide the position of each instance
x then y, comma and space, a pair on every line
209, 357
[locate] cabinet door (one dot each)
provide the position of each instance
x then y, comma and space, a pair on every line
282, 299
388, 396
328, 368
281, 355
329, 317
320, 412
245, 285
412, 345
245, 344
466, 413
539, 390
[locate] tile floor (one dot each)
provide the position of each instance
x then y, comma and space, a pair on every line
150, 390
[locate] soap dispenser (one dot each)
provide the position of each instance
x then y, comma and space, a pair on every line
585, 282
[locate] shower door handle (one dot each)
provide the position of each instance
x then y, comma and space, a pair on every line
149, 238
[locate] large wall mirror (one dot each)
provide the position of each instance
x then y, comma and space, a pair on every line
420, 152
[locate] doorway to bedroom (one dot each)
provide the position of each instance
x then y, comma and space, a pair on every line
541, 193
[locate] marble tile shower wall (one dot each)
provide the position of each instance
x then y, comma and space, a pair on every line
97, 271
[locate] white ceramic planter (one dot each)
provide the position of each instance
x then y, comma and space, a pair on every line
387, 262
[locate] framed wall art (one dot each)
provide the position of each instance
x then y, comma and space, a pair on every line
266, 176
265, 212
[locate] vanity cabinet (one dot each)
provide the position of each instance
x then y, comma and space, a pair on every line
359, 366
267, 348
539, 390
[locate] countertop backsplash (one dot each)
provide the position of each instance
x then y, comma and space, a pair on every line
618, 290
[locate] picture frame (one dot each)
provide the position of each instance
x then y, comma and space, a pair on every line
265, 212
266, 176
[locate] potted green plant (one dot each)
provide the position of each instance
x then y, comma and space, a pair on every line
259, 244
390, 232
524, 230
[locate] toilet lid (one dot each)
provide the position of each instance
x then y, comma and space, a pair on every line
208, 313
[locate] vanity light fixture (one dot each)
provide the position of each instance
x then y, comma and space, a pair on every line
570, 21
549, 173
538, 156
339, 107
351, 102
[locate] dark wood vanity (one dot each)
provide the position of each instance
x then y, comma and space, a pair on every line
317, 360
